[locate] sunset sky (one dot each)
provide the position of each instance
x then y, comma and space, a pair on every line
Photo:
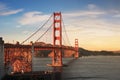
96, 23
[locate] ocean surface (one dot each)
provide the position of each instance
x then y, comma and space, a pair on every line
84, 68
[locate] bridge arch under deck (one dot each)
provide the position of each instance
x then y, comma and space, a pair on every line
17, 58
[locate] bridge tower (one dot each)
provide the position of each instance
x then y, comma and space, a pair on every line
57, 39
76, 48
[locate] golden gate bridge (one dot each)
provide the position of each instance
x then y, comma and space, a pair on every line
20, 55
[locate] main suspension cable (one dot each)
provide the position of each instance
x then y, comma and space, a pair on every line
43, 34
37, 30
66, 32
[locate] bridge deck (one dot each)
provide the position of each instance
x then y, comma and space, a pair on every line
38, 47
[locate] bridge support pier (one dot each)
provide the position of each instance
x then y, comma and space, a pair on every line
32, 51
2, 71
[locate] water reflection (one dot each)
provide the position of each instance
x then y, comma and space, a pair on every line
57, 73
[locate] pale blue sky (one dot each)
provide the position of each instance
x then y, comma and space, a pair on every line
96, 23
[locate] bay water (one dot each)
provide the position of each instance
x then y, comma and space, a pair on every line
84, 68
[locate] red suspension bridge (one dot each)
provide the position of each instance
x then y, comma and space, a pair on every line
19, 56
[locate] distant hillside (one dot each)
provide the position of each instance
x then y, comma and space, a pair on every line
85, 52
82, 51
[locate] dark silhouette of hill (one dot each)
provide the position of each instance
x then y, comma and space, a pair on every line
85, 52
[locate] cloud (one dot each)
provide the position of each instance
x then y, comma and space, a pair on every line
87, 22
34, 17
93, 11
18, 26
92, 6
84, 13
5, 11
10, 12
91, 24
117, 16
96, 17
